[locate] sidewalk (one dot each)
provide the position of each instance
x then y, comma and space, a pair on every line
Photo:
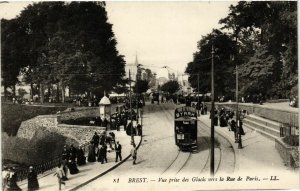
90, 170
258, 152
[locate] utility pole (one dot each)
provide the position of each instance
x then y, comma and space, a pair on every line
238, 122
130, 103
198, 92
212, 135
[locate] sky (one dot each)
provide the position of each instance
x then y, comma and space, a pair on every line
159, 33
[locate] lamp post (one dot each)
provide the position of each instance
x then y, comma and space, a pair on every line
238, 122
212, 136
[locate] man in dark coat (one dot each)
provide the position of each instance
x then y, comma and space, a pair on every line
118, 149
95, 140
33, 183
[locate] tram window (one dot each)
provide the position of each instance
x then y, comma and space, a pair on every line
180, 136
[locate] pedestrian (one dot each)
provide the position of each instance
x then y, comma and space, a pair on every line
59, 172
139, 129
72, 167
12, 181
205, 109
95, 140
33, 183
133, 153
81, 159
105, 153
73, 153
65, 169
5, 177
91, 154
100, 154
65, 154
118, 149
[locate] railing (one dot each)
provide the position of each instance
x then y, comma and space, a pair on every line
46, 166
40, 168
288, 130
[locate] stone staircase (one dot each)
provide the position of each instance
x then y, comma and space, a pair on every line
264, 126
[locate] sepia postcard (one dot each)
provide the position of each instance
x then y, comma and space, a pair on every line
139, 95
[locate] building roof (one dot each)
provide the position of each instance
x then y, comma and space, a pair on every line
104, 101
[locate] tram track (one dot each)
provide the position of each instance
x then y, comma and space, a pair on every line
222, 148
225, 148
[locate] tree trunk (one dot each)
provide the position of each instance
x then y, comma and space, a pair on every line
57, 92
42, 96
62, 93
14, 90
31, 91
49, 92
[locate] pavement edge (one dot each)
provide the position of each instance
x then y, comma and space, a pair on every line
107, 171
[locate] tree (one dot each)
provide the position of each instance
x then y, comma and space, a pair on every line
270, 33
224, 47
141, 86
170, 87
66, 44
13, 55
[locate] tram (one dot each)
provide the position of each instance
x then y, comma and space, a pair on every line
186, 128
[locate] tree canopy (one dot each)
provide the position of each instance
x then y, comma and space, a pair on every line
170, 87
264, 47
66, 44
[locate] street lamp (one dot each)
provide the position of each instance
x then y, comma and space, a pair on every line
212, 135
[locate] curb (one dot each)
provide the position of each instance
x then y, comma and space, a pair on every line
107, 171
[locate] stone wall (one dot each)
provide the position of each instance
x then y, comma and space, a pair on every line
287, 153
88, 112
278, 115
81, 134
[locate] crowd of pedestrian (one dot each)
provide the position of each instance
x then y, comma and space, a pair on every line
225, 118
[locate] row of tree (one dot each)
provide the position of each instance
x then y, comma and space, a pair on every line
54, 45
261, 39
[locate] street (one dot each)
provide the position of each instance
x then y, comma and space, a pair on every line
158, 154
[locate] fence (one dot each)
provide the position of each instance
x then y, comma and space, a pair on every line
39, 169
287, 129
46, 166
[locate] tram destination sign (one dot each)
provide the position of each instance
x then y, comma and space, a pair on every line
185, 112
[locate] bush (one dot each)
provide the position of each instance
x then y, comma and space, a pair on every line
292, 140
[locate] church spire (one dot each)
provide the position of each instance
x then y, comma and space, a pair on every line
136, 59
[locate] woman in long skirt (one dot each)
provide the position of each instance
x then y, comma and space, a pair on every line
33, 183
81, 159
92, 154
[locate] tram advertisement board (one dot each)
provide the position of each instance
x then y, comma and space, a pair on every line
185, 112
